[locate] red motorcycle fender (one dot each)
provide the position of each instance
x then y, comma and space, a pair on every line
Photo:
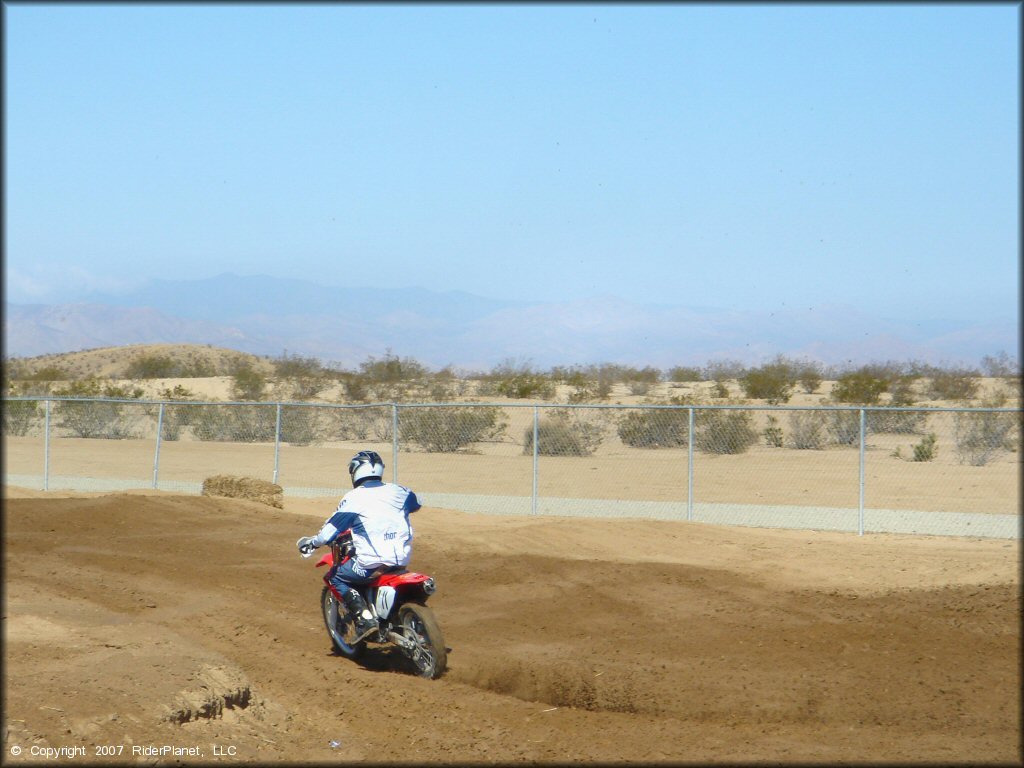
327, 559
397, 579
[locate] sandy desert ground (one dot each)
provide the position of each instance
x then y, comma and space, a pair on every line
140, 619
762, 475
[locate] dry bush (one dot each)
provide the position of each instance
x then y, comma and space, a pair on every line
655, 428
518, 380
19, 416
683, 373
772, 382
232, 487
773, 436
982, 436
449, 429
230, 423
862, 387
724, 431
807, 430
844, 426
955, 384
563, 435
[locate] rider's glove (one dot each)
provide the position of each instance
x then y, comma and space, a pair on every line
306, 545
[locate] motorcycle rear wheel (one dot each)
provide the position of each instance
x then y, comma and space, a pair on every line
339, 626
429, 656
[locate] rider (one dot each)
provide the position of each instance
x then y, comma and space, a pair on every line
377, 513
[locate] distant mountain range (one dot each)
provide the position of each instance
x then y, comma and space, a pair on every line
268, 316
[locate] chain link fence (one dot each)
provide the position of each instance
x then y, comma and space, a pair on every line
948, 471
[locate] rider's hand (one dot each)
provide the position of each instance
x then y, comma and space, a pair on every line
306, 545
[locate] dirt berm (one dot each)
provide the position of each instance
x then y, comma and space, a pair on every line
137, 619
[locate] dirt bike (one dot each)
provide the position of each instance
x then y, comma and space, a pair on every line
397, 598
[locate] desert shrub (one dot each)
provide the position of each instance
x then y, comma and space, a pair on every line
655, 428
232, 423
590, 383
447, 429
197, 369
356, 423
588, 390
174, 418
356, 387
684, 373
980, 436
1001, 366
518, 381
152, 367
926, 450
724, 431
95, 418
638, 387
49, 373
956, 384
302, 425
897, 422
25, 388
177, 392
392, 369
720, 390
807, 430
901, 391
13, 368
608, 372
861, 387
20, 416
844, 427
772, 381
773, 433
302, 377
306, 387
809, 376
562, 435
886, 421
647, 374
391, 391
296, 367
723, 370
444, 389
246, 382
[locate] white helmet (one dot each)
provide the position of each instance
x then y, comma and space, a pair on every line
364, 465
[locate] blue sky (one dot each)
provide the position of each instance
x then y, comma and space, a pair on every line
746, 156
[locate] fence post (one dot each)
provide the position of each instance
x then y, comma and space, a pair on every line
277, 444
689, 467
159, 434
46, 448
394, 442
536, 454
860, 504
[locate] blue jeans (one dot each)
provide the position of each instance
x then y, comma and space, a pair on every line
348, 575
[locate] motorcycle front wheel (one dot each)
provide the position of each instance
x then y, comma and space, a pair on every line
428, 654
339, 626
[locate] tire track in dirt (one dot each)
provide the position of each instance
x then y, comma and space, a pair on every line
192, 619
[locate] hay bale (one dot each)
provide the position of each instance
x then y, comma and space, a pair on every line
233, 487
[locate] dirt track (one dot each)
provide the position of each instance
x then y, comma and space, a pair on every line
140, 619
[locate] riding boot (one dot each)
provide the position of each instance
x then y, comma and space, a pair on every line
365, 623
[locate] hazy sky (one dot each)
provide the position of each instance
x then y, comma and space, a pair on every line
743, 156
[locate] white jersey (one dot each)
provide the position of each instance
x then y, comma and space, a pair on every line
377, 513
